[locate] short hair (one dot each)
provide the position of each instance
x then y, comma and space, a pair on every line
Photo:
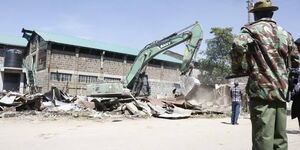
236, 82
264, 14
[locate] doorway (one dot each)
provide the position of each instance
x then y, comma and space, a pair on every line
11, 82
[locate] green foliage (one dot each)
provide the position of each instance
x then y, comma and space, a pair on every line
215, 61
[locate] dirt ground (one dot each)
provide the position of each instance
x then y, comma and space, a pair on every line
131, 134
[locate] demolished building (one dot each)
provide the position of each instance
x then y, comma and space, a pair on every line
53, 61
70, 63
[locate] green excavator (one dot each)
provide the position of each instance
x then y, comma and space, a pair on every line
136, 82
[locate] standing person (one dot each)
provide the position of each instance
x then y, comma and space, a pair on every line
236, 97
269, 51
296, 100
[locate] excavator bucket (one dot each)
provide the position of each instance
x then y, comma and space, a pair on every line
189, 86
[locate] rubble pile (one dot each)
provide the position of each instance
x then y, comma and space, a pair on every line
56, 102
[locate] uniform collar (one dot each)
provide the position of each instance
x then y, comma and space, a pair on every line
264, 20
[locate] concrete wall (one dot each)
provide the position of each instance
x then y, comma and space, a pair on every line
161, 88
89, 63
63, 60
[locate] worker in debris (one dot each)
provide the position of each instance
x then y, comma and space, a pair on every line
236, 97
296, 101
269, 51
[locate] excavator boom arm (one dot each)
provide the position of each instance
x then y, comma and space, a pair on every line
131, 84
193, 38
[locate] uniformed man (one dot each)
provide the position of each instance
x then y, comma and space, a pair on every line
269, 51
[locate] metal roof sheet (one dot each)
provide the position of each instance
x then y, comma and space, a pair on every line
13, 40
81, 42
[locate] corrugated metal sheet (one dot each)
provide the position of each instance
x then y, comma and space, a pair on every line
57, 38
13, 40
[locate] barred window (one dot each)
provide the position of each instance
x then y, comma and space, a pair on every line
130, 58
55, 76
57, 46
109, 79
115, 56
169, 65
87, 79
155, 63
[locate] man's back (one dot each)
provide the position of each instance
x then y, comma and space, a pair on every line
270, 52
269, 47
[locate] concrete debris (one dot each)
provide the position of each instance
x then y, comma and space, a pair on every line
178, 101
9, 100
144, 107
21, 102
8, 115
138, 108
57, 102
190, 85
58, 95
106, 105
170, 112
177, 113
132, 108
64, 107
85, 104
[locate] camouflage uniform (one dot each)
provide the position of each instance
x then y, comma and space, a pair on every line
269, 51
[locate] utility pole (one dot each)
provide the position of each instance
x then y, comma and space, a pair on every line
250, 4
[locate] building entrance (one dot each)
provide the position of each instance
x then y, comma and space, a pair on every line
11, 82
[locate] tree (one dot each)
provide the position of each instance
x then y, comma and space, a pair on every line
215, 60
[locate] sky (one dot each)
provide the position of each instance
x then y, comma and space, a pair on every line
134, 23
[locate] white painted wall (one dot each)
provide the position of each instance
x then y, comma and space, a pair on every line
21, 90
1, 80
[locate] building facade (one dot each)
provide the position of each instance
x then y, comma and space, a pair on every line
71, 63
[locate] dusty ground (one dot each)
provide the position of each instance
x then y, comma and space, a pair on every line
139, 134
